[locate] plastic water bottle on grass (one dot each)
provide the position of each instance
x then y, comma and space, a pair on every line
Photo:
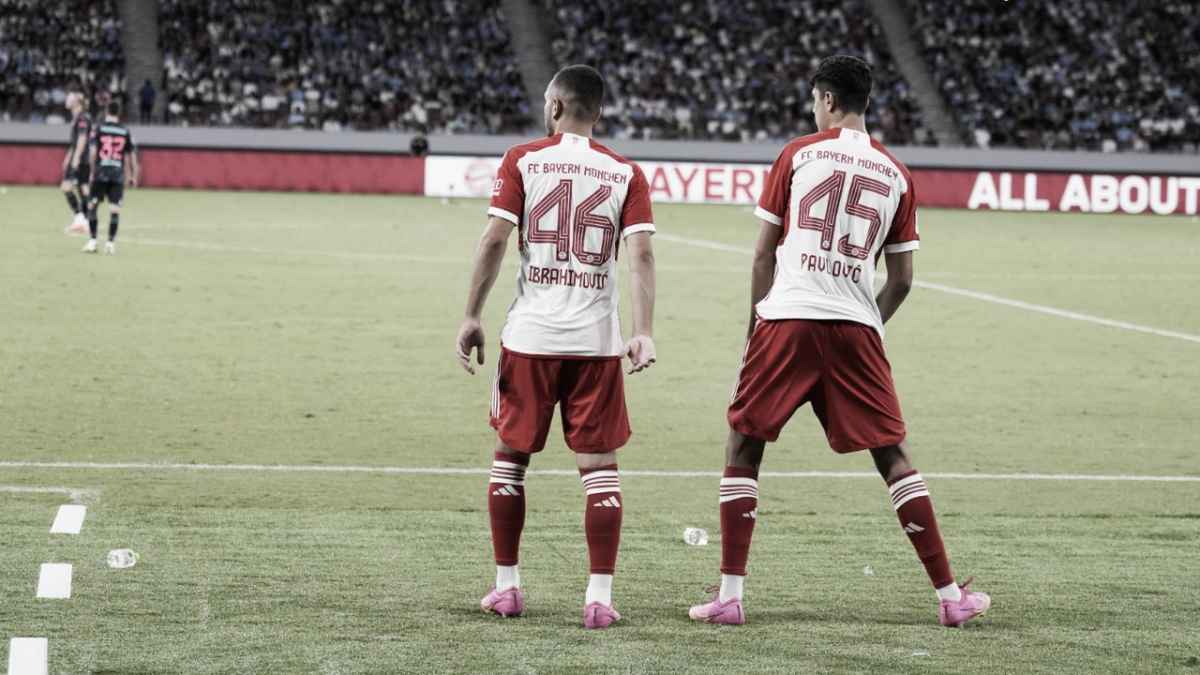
122, 558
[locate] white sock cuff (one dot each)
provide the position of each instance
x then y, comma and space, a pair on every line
738, 488
907, 489
600, 482
507, 473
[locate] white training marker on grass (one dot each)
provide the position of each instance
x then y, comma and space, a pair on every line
54, 581
69, 519
28, 656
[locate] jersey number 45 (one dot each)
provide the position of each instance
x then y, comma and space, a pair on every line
832, 187
570, 232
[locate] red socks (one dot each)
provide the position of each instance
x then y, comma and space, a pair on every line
506, 505
913, 506
739, 511
602, 516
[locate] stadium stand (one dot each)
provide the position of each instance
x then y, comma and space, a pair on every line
48, 47
434, 66
710, 69
1074, 74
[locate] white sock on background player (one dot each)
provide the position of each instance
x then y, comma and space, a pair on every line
507, 576
732, 587
599, 589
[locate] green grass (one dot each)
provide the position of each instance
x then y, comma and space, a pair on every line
317, 329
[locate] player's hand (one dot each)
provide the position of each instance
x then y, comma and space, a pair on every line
640, 350
131, 182
470, 336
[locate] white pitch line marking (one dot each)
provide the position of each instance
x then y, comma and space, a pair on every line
54, 581
69, 519
28, 656
465, 471
975, 295
344, 255
75, 494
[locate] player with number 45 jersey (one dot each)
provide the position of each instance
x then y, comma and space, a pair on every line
833, 203
575, 205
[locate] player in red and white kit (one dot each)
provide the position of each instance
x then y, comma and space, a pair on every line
573, 203
833, 203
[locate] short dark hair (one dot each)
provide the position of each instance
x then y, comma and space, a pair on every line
114, 108
582, 87
848, 78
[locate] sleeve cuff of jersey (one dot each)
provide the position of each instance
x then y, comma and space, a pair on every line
902, 247
767, 216
639, 227
507, 215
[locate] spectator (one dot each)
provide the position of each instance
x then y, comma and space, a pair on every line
147, 94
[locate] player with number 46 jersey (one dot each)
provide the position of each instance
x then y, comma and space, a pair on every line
833, 203
575, 205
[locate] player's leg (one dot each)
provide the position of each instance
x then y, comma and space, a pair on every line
739, 510
523, 397
114, 218
75, 202
596, 424
914, 507
93, 208
861, 410
602, 516
779, 371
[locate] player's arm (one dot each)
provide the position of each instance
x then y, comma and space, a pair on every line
133, 168
641, 271
762, 271
898, 284
488, 257
80, 151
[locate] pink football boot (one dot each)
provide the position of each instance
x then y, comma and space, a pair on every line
509, 602
728, 613
972, 605
598, 615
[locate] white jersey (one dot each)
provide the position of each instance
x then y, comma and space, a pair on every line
573, 200
842, 200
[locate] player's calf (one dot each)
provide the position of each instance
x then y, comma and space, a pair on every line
603, 513
506, 512
914, 508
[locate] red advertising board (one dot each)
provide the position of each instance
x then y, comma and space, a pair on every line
236, 170
682, 182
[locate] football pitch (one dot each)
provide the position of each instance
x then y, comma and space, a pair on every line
242, 393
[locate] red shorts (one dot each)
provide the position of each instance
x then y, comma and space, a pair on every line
838, 366
590, 393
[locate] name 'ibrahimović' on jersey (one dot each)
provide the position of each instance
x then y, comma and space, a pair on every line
573, 201
842, 200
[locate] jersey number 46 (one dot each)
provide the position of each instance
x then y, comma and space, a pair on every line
570, 231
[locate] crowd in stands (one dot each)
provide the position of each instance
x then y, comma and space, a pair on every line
415, 65
1080, 74
48, 48
714, 69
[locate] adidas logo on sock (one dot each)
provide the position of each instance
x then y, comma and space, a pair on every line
610, 502
752, 515
507, 491
913, 528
